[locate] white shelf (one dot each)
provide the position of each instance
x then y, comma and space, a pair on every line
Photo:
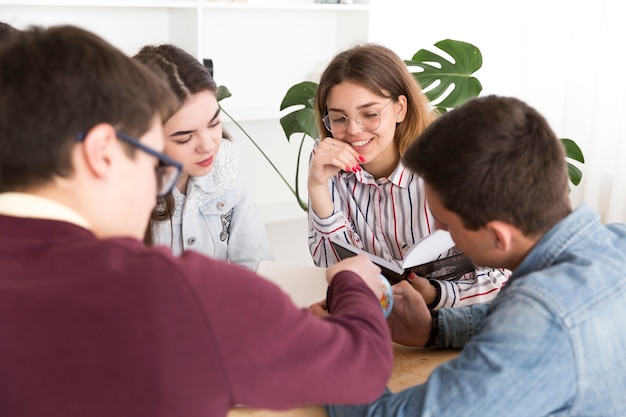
103, 3
287, 7
172, 4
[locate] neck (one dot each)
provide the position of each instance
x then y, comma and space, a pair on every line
181, 184
384, 164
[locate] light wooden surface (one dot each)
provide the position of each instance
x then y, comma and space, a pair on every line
412, 366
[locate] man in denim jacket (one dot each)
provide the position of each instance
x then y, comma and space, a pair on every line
553, 342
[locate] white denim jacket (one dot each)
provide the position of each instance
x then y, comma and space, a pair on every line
217, 216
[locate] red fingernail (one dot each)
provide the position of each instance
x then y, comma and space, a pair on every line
361, 158
411, 275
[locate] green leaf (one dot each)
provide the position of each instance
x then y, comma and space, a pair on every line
301, 120
306, 120
572, 150
575, 174
452, 82
222, 93
300, 94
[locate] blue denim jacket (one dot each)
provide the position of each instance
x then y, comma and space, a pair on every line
552, 343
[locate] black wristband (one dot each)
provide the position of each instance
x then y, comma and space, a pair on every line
434, 329
437, 286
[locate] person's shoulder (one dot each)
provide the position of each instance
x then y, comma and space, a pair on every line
133, 254
218, 279
157, 266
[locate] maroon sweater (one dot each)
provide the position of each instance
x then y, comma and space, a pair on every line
110, 328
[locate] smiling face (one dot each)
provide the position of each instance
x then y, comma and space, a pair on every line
193, 135
377, 146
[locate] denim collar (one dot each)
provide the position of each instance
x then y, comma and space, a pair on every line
571, 229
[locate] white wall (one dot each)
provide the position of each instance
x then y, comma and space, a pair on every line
564, 57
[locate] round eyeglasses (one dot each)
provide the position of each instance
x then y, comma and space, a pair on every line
338, 123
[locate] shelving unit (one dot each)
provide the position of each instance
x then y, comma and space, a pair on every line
259, 49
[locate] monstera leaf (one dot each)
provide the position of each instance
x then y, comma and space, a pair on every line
452, 82
301, 120
572, 151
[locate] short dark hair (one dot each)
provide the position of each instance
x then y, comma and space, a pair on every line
495, 158
6, 30
60, 81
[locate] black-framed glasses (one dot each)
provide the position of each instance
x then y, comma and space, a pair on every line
338, 123
168, 170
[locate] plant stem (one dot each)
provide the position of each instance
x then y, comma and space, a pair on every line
294, 192
304, 206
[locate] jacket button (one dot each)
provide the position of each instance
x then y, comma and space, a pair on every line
221, 205
191, 240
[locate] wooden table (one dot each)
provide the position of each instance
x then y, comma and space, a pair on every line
411, 366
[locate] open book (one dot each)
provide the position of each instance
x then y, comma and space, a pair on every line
423, 258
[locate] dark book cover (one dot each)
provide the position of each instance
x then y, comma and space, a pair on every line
445, 268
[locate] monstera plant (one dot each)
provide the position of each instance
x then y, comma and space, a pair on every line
447, 84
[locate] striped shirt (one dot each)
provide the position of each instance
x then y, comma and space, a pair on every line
386, 217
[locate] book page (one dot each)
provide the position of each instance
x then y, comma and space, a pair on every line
428, 248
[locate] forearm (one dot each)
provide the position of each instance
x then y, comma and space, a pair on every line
320, 200
320, 233
482, 287
453, 327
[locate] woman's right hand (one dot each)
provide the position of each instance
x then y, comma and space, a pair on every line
330, 156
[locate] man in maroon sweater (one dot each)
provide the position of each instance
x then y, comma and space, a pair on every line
93, 323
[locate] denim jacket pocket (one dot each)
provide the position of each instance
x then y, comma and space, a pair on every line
219, 212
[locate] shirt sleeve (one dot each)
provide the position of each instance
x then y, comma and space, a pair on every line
479, 286
458, 325
258, 331
321, 231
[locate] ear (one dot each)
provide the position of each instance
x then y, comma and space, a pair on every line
503, 235
98, 148
400, 107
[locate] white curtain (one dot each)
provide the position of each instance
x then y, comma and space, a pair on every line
564, 57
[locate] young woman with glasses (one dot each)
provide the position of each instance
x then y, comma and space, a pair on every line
209, 210
370, 109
